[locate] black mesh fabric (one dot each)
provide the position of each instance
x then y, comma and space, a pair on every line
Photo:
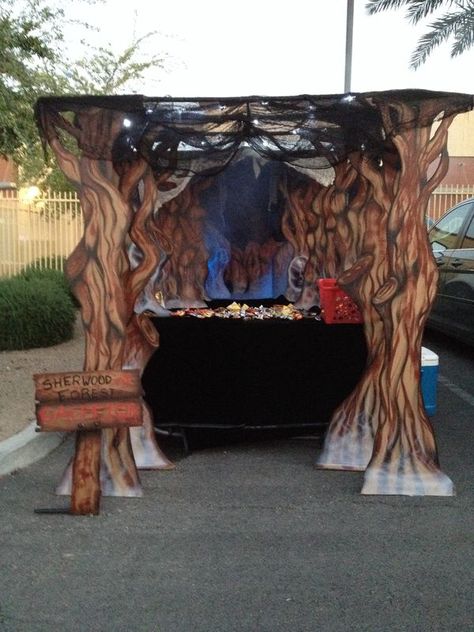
202, 135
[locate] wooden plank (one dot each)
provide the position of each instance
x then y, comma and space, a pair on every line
86, 492
87, 386
70, 416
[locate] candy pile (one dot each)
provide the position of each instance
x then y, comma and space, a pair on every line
236, 310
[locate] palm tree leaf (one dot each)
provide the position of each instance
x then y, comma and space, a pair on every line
459, 24
440, 30
420, 9
377, 6
464, 37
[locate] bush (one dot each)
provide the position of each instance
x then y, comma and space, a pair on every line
53, 276
35, 271
34, 312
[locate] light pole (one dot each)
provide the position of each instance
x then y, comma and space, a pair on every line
349, 30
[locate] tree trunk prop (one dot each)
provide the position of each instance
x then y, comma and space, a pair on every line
96, 270
350, 436
142, 338
97, 281
181, 222
405, 459
299, 225
395, 293
332, 234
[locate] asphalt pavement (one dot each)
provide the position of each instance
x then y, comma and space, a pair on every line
249, 537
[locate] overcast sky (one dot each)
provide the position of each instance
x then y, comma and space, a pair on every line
274, 47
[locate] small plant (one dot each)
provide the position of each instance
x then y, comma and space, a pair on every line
34, 312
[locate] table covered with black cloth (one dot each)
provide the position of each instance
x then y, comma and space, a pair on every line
223, 373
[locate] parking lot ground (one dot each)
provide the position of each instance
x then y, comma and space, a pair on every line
247, 538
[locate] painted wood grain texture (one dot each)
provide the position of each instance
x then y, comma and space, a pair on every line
142, 341
70, 416
377, 247
86, 489
182, 223
150, 252
87, 385
96, 270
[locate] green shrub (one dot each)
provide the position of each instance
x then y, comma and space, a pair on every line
33, 272
54, 276
34, 312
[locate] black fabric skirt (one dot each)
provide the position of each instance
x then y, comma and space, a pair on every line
230, 373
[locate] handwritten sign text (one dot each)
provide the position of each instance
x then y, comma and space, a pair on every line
88, 400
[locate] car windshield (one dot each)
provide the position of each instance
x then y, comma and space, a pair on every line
468, 241
444, 235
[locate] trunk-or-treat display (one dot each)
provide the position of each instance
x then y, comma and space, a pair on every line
186, 201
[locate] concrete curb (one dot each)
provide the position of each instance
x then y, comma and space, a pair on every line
27, 447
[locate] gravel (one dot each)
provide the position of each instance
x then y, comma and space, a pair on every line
17, 404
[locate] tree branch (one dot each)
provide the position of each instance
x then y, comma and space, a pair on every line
440, 172
438, 141
68, 162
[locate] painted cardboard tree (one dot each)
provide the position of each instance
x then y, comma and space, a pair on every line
377, 247
106, 287
366, 228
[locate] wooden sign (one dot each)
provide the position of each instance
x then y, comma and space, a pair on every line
88, 400
89, 415
87, 386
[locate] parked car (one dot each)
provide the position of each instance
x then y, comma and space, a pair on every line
452, 241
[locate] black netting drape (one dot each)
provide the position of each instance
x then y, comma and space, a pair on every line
202, 135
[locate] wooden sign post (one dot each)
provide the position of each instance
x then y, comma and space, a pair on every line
86, 402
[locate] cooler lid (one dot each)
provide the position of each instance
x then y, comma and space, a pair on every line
428, 357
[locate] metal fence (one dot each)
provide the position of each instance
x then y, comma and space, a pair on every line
446, 196
47, 228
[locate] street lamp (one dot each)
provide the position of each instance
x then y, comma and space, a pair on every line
349, 31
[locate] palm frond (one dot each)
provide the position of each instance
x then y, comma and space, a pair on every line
451, 24
458, 24
426, 44
420, 9
377, 6
464, 37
